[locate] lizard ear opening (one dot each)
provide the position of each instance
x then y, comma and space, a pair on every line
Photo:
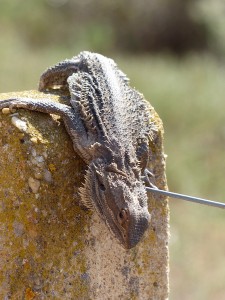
100, 180
102, 187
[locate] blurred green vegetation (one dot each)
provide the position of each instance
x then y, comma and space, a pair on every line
129, 25
146, 39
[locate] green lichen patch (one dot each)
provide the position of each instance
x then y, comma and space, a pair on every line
42, 227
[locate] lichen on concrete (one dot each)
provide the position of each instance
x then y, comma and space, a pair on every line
50, 248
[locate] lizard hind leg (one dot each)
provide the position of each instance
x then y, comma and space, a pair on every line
40, 105
71, 120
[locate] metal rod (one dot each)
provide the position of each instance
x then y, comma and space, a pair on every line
187, 198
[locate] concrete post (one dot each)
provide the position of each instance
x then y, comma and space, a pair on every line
50, 248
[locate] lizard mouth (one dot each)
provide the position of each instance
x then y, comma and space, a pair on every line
137, 231
131, 232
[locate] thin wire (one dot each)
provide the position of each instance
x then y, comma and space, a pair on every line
187, 198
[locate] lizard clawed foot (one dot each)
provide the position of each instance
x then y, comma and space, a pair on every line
146, 178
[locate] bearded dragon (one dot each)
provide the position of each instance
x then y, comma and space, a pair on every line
109, 124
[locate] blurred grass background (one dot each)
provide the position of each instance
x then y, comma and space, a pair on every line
173, 51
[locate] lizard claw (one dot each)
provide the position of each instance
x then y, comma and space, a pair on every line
146, 178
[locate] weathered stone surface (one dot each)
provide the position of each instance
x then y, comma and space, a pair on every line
50, 248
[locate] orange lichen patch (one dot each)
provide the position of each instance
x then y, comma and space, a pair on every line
29, 294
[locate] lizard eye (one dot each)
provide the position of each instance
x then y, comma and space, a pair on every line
122, 216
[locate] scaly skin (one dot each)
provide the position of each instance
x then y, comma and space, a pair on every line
110, 127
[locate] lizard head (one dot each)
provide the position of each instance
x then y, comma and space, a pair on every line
119, 198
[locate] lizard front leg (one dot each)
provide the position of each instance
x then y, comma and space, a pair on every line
71, 120
142, 153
